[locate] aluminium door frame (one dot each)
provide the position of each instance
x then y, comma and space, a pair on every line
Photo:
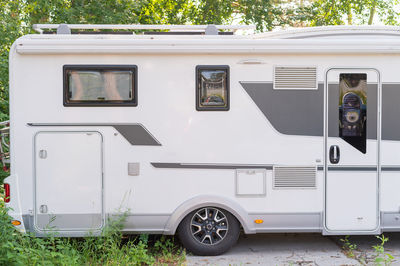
41, 231
378, 228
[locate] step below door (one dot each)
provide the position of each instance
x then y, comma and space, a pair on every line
68, 181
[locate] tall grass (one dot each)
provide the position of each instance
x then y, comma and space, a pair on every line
111, 248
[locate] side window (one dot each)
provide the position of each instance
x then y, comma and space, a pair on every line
212, 88
100, 85
353, 110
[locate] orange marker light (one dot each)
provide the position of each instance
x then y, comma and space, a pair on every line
15, 222
259, 221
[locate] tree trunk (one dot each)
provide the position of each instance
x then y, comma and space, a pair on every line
372, 13
349, 15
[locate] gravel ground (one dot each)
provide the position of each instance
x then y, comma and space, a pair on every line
300, 249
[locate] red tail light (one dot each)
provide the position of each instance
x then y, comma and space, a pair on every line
7, 193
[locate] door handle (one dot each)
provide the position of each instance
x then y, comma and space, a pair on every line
42, 154
334, 154
43, 208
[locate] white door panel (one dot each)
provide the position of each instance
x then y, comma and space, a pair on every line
68, 180
348, 209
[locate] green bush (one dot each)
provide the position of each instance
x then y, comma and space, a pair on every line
110, 248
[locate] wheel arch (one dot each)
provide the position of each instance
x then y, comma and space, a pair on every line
212, 201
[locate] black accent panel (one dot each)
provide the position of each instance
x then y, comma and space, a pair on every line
135, 134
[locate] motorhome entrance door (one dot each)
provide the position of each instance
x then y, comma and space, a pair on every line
351, 151
68, 181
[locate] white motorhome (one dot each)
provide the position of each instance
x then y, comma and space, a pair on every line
204, 133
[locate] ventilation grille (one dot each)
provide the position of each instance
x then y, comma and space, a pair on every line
304, 78
294, 177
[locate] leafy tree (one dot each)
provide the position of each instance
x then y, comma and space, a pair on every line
331, 12
11, 27
17, 17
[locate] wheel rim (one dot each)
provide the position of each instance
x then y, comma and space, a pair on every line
209, 226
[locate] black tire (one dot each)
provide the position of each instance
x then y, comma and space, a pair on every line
208, 242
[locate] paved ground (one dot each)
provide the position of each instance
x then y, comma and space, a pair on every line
366, 254
299, 249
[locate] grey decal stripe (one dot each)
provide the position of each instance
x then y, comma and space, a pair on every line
353, 168
69, 221
28, 222
300, 112
211, 166
390, 112
292, 112
390, 168
265, 166
135, 134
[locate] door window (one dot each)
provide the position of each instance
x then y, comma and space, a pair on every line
353, 110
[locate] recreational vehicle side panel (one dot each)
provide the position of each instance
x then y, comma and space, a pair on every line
194, 154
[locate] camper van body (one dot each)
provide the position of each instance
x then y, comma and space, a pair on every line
271, 157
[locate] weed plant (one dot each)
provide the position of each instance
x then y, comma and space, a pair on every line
348, 247
381, 256
110, 248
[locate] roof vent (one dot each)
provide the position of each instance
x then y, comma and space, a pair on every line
294, 177
295, 77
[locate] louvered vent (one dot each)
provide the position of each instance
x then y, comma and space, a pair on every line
304, 78
295, 177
